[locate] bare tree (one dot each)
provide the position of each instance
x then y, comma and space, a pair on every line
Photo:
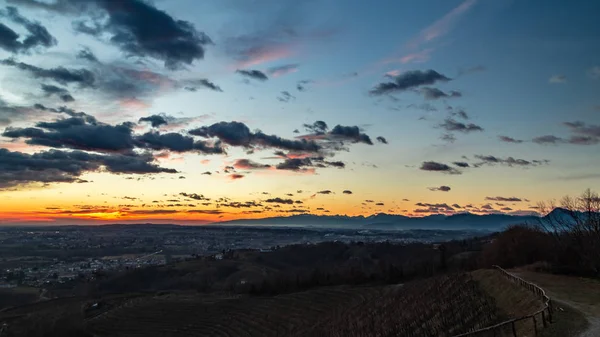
574, 223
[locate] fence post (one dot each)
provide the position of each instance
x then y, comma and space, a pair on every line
534, 325
514, 329
544, 317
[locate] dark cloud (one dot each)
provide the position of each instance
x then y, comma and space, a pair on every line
247, 164
438, 167
83, 77
280, 201
351, 133
238, 134
586, 134
382, 140
154, 120
506, 199
461, 164
547, 139
448, 137
453, 125
11, 41
301, 85
194, 196
139, 29
83, 132
176, 142
295, 164
509, 161
253, 74
347, 192
435, 93
409, 80
488, 207
87, 54
17, 168
283, 69
475, 69
318, 127
460, 113
441, 188
507, 139
193, 85
62, 93
77, 133
324, 192
285, 97
236, 176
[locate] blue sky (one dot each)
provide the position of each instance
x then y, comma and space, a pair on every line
457, 75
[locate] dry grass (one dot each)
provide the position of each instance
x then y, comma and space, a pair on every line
512, 300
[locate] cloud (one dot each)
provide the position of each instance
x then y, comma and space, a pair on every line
547, 139
194, 196
470, 70
438, 167
280, 201
301, 85
594, 72
442, 188
347, 192
453, 125
509, 161
17, 168
38, 36
507, 139
435, 93
351, 133
584, 129
556, 79
505, 199
285, 97
461, 164
409, 80
442, 26
87, 54
193, 85
247, 164
283, 70
139, 29
460, 113
238, 134
83, 77
236, 176
318, 127
154, 120
62, 93
448, 137
325, 192
83, 132
382, 140
253, 74
175, 142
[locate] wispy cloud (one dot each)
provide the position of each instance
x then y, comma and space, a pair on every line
556, 79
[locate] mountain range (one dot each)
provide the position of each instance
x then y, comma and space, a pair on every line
392, 221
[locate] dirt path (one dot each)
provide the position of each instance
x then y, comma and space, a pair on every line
580, 293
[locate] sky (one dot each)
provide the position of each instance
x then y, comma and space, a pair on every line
191, 112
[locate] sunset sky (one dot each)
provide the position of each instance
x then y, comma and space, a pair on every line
187, 111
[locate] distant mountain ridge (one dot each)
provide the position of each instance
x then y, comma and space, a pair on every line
393, 221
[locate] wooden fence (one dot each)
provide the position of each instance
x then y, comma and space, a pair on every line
538, 320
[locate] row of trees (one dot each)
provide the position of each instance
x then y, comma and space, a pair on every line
567, 237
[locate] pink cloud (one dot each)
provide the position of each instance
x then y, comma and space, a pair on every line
267, 54
133, 104
442, 26
205, 161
